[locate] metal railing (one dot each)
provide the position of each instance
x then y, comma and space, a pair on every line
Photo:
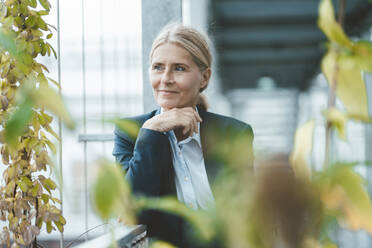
125, 237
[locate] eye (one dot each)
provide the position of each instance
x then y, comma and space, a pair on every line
157, 67
179, 68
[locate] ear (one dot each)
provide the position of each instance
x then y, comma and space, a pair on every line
206, 74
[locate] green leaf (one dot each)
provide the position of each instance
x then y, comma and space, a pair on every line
45, 3
27, 181
32, 3
42, 24
7, 41
54, 52
43, 12
35, 190
328, 24
49, 183
45, 198
49, 226
22, 185
18, 121
108, 190
62, 220
49, 36
59, 226
301, 150
129, 127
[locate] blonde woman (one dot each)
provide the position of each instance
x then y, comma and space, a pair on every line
176, 150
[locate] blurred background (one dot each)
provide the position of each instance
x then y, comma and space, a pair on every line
266, 72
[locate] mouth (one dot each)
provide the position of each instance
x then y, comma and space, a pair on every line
167, 91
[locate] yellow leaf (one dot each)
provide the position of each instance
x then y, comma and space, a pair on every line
362, 51
350, 84
161, 244
50, 99
129, 127
346, 192
338, 119
302, 148
328, 24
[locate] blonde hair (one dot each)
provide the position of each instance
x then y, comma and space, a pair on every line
196, 43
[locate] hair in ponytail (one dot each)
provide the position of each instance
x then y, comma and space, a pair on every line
202, 102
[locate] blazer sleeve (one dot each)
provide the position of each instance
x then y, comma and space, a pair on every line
144, 159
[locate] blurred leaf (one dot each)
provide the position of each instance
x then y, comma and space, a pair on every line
362, 52
312, 243
7, 42
350, 84
111, 193
127, 126
161, 244
50, 99
338, 119
301, 150
18, 121
199, 219
328, 24
344, 190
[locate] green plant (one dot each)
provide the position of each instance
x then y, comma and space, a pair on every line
26, 199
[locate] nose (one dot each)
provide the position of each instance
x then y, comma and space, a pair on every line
167, 77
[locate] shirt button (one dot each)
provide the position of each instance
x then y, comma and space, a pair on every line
186, 179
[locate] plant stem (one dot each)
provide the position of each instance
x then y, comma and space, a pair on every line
332, 91
36, 217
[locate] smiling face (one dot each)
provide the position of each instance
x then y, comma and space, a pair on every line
175, 78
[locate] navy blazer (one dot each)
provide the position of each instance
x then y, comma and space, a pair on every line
147, 160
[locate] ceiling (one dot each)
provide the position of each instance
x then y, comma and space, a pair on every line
276, 39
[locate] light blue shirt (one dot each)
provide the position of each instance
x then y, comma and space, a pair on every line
191, 178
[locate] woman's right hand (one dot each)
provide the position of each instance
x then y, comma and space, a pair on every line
185, 119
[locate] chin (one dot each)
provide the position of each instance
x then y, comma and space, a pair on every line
167, 105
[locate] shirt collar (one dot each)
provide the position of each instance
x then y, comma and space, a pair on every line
195, 136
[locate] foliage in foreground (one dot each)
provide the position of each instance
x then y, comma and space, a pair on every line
297, 207
26, 194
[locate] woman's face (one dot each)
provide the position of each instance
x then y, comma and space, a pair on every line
175, 77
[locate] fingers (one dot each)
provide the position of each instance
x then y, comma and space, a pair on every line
193, 119
186, 119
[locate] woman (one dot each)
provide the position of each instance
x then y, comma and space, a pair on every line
180, 147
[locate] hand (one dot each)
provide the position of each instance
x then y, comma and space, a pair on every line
185, 119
